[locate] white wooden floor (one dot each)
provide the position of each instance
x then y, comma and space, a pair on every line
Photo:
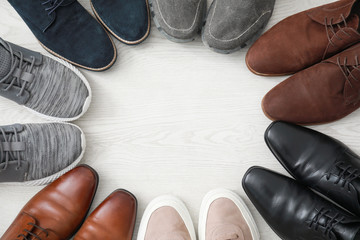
169, 118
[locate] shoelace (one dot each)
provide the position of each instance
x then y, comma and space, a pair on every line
19, 70
23, 237
54, 4
5, 155
332, 29
347, 174
331, 222
346, 71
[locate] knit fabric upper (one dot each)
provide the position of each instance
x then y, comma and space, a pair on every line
50, 148
55, 91
5, 62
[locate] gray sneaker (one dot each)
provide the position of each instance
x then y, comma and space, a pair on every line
234, 24
37, 154
178, 20
48, 86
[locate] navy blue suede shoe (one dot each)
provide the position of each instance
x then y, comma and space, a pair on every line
128, 21
67, 30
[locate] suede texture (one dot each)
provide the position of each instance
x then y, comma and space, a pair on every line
127, 20
69, 32
179, 20
319, 94
230, 24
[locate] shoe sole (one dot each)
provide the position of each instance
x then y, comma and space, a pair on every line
55, 176
118, 37
166, 201
86, 103
223, 193
171, 38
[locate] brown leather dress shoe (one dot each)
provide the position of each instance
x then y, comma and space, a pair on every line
56, 212
113, 219
305, 39
322, 93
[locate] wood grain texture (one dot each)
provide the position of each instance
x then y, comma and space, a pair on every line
169, 118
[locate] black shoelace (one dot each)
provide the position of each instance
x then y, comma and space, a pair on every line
6, 153
331, 222
347, 173
20, 71
330, 29
31, 235
54, 4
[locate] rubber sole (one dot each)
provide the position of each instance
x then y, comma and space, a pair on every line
87, 101
118, 37
166, 201
55, 176
223, 193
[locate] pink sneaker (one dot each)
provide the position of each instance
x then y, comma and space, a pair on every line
165, 218
224, 216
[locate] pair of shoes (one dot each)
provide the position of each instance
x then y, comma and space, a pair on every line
318, 162
67, 30
37, 154
314, 44
59, 210
229, 25
223, 215
49, 87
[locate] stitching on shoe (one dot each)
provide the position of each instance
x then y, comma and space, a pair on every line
229, 40
178, 29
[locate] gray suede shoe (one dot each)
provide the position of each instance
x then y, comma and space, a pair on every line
234, 24
178, 20
48, 86
36, 154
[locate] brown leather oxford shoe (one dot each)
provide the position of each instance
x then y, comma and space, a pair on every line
56, 212
113, 219
305, 39
323, 93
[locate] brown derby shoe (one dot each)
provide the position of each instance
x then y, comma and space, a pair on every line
325, 92
56, 212
113, 219
305, 39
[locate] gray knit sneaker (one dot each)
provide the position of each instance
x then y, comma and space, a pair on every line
48, 86
234, 24
178, 20
36, 154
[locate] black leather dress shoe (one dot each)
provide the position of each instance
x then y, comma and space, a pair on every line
294, 212
318, 161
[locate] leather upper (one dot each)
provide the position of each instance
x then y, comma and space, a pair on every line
325, 92
59, 208
304, 39
294, 211
317, 161
113, 219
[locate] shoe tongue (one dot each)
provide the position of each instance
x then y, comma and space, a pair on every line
5, 62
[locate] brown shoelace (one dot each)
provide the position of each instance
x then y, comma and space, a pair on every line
23, 237
346, 70
330, 29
